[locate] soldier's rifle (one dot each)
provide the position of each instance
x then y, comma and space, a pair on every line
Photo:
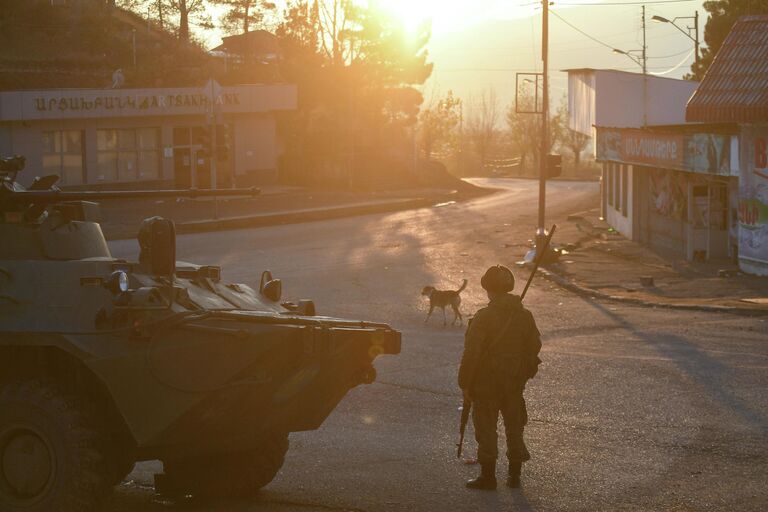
466, 406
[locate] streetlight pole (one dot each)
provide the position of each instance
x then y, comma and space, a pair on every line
686, 31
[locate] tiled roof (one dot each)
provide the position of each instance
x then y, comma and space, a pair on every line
735, 87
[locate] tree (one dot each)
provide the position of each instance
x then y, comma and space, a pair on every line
438, 121
481, 123
722, 15
563, 135
242, 15
525, 129
355, 66
188, 12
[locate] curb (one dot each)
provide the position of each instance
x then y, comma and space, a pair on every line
310, 215
569, 285
320, 213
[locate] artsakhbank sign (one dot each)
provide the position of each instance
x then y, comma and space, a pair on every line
107, 103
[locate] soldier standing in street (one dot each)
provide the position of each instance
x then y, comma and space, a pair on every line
501, 351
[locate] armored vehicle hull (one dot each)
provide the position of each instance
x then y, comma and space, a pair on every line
105, 362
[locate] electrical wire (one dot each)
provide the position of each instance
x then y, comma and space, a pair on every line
671, 55
675, 67
577, 29
624, 3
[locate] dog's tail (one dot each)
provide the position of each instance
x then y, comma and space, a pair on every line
463, 285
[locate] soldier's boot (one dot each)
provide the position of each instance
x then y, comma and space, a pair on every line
487, 479
513, 478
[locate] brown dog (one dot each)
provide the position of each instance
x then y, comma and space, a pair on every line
443, 299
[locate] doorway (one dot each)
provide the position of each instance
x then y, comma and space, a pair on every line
191, 167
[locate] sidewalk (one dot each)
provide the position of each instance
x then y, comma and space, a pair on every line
274, 206
602, 263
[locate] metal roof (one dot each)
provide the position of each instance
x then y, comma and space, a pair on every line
735, 87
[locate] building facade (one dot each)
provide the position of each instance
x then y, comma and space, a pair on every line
672, 188
136, 138
735, 90
669, 185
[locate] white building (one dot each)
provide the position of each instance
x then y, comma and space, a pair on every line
667, 184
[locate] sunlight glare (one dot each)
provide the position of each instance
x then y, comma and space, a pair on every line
415, 12
452, 15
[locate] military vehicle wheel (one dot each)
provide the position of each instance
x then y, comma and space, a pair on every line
238, 475
49, 451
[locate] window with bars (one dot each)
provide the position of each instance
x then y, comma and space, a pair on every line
128, 154
63, 155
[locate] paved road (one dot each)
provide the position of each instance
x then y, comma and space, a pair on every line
633, 409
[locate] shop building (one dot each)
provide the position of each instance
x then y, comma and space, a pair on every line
665, 183
735, 90
137, 138
672, 188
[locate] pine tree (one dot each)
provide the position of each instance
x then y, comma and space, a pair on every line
722, 15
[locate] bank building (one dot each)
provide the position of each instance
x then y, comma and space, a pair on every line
147, 138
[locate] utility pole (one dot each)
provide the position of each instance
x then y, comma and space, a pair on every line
696, 40
645, 75
544, 157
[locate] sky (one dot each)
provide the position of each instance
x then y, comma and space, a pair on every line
480, 44
488, 52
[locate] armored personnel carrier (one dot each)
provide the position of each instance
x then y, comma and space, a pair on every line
105, 362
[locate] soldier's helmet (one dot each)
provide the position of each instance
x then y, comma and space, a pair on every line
498, 279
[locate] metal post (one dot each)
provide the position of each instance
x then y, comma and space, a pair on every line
696, 41
133, 33
541, 230
645, 75
213, 153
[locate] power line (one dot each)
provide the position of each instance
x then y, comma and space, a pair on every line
577, 29
675, 67
625, 3
671, 55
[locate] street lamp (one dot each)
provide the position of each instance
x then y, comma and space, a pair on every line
686, 31
634, 59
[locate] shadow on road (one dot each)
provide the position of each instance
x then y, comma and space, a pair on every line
709, 373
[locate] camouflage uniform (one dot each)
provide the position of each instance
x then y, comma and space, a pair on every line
495, 368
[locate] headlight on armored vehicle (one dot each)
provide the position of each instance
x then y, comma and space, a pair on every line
117, 282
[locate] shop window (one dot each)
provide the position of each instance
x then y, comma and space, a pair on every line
128, 155
63, 155
624, 188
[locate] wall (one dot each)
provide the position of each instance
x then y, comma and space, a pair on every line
581, 101
753, 200
254, 139
615, 99
256, 150
619, 201
662, 210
